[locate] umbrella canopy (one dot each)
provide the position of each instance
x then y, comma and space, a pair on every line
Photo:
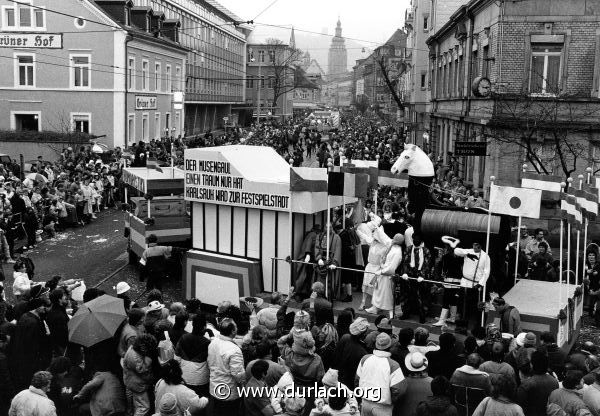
97, 320
37, 177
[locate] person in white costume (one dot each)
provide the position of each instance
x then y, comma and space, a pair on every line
383, 293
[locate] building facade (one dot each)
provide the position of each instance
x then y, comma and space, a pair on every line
216, 61
337, 64
103, 68
523, 77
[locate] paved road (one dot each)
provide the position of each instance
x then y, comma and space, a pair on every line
91, 252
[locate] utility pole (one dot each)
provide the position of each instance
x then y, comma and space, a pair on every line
259, 90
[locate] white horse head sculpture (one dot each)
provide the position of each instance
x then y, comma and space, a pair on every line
415, 161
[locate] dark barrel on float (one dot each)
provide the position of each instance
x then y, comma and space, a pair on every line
469, 227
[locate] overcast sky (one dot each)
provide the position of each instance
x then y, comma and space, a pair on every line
374, 20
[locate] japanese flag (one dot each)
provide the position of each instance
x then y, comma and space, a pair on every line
518, 202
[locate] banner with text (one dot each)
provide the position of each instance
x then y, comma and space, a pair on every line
215, 180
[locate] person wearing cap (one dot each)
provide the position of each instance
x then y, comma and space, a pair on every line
154, 259
349, 351
372, 233
122, 288
417, 263
331, 380
510, 318
475, 273
449, 269
521, 355
381, 372
317, 299
383, 292
31, 343
167, 406
418, 384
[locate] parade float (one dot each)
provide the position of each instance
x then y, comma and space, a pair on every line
241, 206
154, 205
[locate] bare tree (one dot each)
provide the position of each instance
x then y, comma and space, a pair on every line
550, 129
391, 71
282, 60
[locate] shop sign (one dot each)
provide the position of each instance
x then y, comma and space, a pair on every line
470, 149
145, 102
31, 40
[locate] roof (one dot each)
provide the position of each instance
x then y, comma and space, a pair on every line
261, 34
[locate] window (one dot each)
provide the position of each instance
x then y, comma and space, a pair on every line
23, 16
145, 75
131, 73
9, 17
169, 80
25, 75
145, 129
168, 122
26, 120
131, 128
486, 62
423, 79
156, 77
261, 56
271, 56
81, 71
157, 132
425, 22
177, 124
270, 82
177, 78
545, 68
249, 83
80, 123
475, 63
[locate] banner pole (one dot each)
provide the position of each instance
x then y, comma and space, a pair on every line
560, 263
518, 248
577, 245
328, 231
487, 246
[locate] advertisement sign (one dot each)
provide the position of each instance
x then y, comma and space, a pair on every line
145, 102
31, 40
470, 148
216, 181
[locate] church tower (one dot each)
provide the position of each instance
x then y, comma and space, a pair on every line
338, 57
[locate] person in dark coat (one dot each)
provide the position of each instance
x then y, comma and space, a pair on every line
350, 243
440, 403
533, 393
7, 388
444, 361
57, 320
350, 350
556, 356
31, 351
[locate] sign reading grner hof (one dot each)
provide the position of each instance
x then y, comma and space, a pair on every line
145, 102
31, 40
217, 182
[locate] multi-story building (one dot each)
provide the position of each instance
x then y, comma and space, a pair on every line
368, 77
271, 64
105, 68
310, 81
216, 62
523, 77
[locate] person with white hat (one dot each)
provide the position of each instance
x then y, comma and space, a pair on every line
450, 269
475, 273
383, 293
418, 384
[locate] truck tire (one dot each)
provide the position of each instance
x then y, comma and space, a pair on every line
133, 258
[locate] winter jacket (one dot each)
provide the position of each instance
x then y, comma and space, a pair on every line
591, 398
472, 383
349, 351
306, 369
442, 363
510, 321
568, 401
417, 390
556, 359
192, 353
21, 283
57, 320
274, 372
105, 393
379, 371
187, 399
32, 402
495, 370
126, 337
137, 371
436, 406
497, 407
533, 393
258, 405
226, 364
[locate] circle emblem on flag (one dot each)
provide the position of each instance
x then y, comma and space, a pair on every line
515, 202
